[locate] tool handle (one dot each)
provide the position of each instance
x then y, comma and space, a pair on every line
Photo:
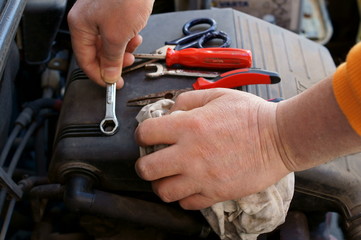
238, 78
217, 58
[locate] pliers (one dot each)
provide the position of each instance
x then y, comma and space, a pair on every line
231, 79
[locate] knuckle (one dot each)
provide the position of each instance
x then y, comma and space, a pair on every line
186, 205
165, 195
182, 97
72, 15
164, 192
193, 203
196, 123
75, 19
142, 169
112, 38
223, 191
141, 133
111, 59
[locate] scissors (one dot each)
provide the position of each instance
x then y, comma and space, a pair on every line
195, 39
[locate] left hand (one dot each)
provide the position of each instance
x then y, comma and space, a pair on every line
104, 35
224, 145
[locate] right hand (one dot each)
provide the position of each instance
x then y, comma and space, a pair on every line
224, 145
105, 33
227, 144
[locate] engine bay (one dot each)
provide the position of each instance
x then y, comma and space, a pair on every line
62, 178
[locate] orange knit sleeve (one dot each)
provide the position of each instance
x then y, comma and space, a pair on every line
347, 87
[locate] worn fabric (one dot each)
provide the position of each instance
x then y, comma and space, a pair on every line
243, 218
154, 110
247, 217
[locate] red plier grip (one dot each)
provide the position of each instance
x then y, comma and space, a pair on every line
238, 78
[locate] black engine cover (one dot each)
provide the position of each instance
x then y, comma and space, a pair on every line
81, 147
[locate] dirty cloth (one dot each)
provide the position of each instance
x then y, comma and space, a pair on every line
243, 218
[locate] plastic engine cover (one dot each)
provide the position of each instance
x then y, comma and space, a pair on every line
81, 147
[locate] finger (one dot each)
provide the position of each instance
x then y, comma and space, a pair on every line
128, 59
160, 164
85, 49
174, 188
162, 130
196, 202
134, 43
112, 50
120, 83
111, 61
194, 99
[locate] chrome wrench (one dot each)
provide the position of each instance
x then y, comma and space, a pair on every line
109, 124
162, 70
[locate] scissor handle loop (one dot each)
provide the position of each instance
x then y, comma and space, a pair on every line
214, 35
197, 21
191, 36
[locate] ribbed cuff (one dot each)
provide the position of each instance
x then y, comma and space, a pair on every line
347, 88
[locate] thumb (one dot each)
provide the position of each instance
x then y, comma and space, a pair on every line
114, 56
111, 60
195, 99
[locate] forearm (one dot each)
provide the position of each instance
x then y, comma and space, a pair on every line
313, 129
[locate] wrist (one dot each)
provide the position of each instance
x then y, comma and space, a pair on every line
271, 142
313, 130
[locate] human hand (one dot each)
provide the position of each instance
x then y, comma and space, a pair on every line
223, 146
105, 33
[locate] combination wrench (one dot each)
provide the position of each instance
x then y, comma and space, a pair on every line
109, 124
162, 70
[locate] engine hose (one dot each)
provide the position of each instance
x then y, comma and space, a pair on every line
29, 183
80, 196
9, 143
16, 157
24, 119
42, 103
48, 191
15, 160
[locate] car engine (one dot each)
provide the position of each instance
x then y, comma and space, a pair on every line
61, 178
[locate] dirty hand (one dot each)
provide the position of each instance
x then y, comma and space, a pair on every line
105, 33
223, 146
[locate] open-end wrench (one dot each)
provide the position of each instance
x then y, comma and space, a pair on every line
109, 125
162, 70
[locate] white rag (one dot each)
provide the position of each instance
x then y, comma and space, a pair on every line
243, 218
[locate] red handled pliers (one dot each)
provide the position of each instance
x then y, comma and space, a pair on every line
231, 79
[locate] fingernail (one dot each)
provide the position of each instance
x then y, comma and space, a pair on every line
111, 74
